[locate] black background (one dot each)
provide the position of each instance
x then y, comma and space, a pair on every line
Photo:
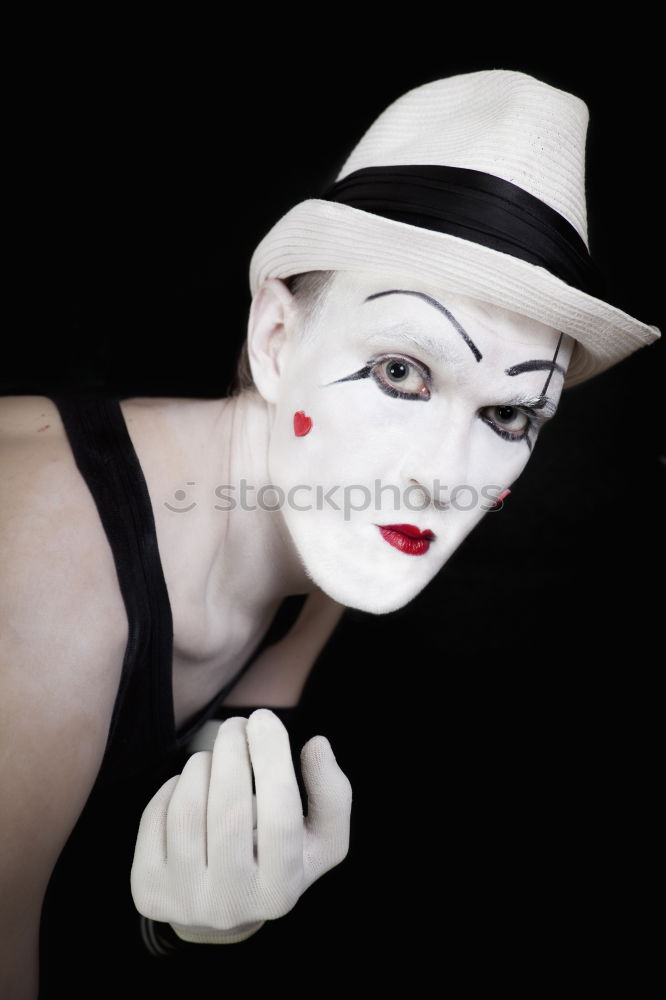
499, 732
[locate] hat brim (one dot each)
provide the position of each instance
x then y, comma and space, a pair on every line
323, 235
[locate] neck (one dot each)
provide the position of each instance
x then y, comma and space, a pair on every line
227, 568
254, 561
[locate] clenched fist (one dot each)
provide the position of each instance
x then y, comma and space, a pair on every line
200, 864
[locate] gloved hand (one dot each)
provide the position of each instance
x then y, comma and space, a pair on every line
197, 864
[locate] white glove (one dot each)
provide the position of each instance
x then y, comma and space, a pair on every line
197, 864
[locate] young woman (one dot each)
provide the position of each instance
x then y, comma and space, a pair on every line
398, 386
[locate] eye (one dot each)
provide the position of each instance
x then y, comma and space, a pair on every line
510, 422
401, 377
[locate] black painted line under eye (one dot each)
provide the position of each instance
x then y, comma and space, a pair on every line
396, 394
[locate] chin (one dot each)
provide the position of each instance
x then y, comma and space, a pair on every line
384, 607
379, 583
377, 600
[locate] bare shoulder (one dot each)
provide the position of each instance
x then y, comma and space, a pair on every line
62, 615
19, 413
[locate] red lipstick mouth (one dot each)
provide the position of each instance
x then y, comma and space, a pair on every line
407, 538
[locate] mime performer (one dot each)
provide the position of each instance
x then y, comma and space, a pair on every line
414, 325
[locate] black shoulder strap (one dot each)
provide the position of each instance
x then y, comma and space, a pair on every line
142, 725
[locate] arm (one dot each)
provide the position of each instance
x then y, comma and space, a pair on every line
278, 675
57, 681
51, 746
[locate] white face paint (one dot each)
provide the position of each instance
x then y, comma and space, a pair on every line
419, 409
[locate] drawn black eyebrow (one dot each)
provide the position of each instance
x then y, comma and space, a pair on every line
534, 366
438, 305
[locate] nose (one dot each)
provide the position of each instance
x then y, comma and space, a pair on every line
424, 497
438, 465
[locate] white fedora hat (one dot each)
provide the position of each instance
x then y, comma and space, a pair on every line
475, 183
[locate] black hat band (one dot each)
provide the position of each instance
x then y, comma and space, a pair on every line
474, 206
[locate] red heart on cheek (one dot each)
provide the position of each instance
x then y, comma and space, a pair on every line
302, 424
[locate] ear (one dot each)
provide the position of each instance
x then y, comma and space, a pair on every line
270, 325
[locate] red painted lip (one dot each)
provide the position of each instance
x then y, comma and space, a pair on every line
406, 537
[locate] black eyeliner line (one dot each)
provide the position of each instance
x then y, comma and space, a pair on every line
362, 373
438, 305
